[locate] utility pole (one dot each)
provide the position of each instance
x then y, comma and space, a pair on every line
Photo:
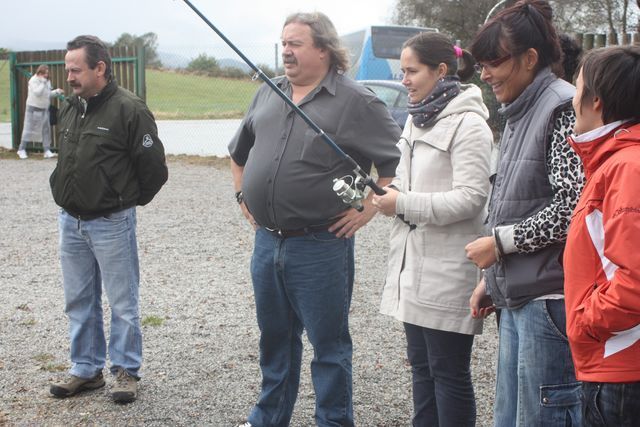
275, 70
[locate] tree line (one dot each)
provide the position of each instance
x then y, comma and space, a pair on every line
209, 66
462, 18
203, 64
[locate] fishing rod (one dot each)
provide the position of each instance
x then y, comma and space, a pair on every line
351, 192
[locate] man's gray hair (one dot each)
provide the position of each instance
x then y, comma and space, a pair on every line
324, 36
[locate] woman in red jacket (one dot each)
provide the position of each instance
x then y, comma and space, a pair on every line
601, 259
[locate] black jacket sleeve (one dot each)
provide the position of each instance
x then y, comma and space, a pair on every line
148, 154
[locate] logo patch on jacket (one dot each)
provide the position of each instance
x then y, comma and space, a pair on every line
147, 141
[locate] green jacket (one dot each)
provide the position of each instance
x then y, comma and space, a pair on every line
110, 155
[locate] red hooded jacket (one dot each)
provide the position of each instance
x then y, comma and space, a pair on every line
602, 259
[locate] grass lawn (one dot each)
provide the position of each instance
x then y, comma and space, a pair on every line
5, 95
172, 95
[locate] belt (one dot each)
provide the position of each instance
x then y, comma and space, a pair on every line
411, 226
91, 216
88, 217
300, 231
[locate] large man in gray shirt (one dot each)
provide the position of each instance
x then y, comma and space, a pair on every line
303, 260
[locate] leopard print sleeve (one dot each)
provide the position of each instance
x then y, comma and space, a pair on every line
566, 176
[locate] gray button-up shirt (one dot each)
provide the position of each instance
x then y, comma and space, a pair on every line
289, 170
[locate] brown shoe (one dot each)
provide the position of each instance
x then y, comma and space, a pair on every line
75, 385
125, 389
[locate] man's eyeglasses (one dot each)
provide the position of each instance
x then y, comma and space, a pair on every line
491, 64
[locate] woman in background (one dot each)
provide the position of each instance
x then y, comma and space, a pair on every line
36, 115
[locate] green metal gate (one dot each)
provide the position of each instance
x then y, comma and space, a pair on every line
127, 67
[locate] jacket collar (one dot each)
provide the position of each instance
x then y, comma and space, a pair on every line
596, 146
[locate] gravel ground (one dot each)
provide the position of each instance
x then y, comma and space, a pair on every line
200, 335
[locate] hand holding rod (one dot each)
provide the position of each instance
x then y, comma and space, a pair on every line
366, 179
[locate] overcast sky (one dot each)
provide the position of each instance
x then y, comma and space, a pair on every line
40, 24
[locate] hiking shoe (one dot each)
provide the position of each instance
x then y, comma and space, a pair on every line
125, 389
75, 385
22, 154
49, 155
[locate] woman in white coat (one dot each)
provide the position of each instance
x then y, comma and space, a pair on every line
438, 198
36, 115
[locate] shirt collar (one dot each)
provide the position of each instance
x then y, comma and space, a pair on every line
597, 132
329, 83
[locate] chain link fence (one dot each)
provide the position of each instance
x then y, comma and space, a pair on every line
200, 94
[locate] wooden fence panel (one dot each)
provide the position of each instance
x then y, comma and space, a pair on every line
591, 41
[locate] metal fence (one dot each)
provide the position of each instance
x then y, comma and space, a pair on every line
199, 110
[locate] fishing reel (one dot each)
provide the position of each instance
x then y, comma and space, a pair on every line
350, 190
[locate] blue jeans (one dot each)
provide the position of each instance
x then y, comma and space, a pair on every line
93, 253
611, 404
303, 283
442, 388
536, 384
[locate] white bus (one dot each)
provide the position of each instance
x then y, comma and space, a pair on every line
375, 51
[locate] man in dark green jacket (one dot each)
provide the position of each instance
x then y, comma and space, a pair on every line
111, 160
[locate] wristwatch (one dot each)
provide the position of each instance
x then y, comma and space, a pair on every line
239, 197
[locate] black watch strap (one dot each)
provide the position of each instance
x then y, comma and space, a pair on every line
239, 197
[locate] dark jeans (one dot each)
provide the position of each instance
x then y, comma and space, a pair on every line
611, 404
442, 387
303, 283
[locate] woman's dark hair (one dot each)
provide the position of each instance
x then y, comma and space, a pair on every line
95, 51
525, 25
435, 48
613, 75
572, 52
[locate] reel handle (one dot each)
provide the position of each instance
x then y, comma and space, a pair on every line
374, 187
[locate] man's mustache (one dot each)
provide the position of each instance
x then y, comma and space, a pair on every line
289, 59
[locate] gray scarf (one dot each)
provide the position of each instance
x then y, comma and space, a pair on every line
425, 111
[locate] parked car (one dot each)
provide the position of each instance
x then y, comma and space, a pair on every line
392, 93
